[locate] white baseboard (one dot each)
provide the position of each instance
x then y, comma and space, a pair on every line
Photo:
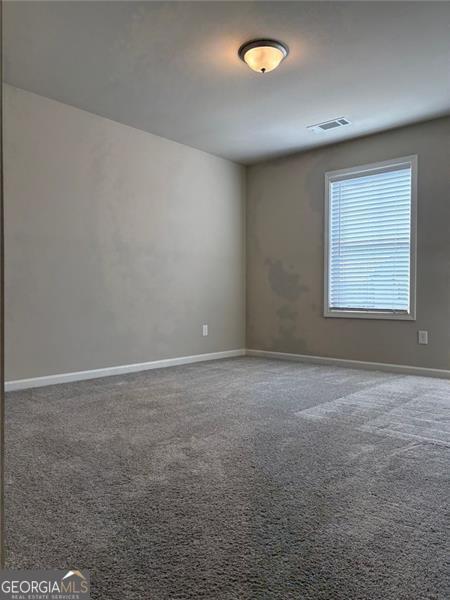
34, 382
354, 364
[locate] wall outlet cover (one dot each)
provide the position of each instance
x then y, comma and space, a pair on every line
422, 337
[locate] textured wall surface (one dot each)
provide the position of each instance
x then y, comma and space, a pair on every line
119, 244
285, 240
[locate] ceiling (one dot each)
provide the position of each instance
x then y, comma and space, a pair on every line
171, 68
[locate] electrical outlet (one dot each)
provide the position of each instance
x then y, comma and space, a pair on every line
205, 330
422, 337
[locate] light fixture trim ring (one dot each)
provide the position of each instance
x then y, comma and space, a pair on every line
260, 43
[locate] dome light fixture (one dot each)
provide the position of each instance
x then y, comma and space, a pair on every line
263, 56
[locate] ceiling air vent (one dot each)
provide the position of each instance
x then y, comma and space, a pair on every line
326, 125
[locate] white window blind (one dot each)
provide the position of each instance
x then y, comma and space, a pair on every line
369, 240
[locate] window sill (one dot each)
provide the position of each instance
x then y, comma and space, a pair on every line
355, 314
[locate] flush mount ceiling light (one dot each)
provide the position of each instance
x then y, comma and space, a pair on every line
263, 56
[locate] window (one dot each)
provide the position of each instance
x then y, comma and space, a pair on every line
370, 217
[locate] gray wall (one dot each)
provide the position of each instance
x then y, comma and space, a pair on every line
285, 253
119, 244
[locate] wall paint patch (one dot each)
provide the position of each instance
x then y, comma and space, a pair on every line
283, 281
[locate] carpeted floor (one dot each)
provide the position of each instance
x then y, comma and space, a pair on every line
237, 479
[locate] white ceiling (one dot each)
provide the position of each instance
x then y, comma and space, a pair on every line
171, 68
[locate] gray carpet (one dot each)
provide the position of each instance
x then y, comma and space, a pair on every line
237, 479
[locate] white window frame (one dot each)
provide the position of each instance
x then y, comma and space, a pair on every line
331, 176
